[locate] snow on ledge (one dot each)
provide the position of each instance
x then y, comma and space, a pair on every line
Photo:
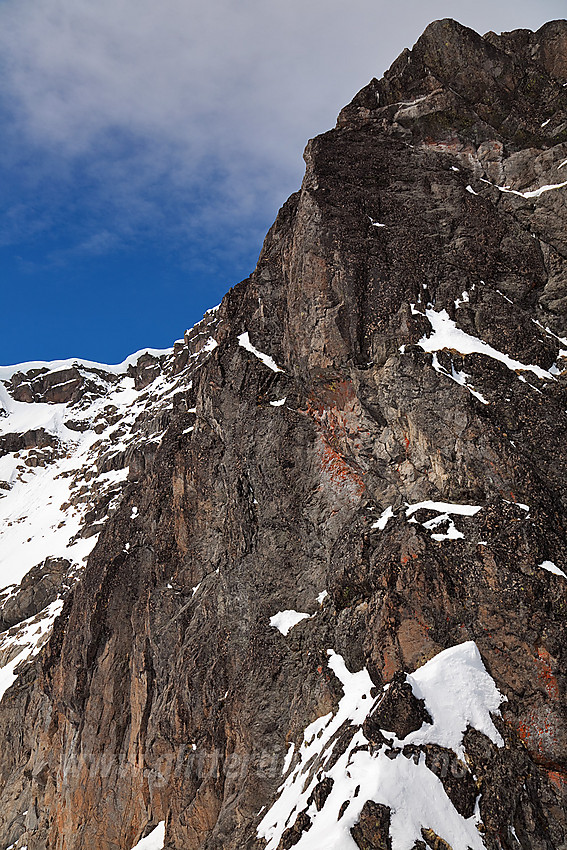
154, 841
552, 568
244, 342
382, 520
209, 346
458, 693
284, 621
458, 377
444, 507
446, 335
533, 193
445, 511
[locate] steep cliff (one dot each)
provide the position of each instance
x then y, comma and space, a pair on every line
326, 604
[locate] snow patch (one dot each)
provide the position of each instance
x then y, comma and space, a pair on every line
7, 372
40, 514
458, 693
444, 507
210, 345
284, 621
452, 532
552, 568
244, 341
288, 758
154, 841
458, 377
532, 193
446, 335
382, 520
445, 511
28, 639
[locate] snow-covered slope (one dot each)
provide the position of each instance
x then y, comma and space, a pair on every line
337, 759
72, 434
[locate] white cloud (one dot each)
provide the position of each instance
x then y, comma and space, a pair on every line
178, 103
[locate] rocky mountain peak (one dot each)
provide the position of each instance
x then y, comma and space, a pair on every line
456, 84
300, 580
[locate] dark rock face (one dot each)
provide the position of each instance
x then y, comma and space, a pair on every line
38, 589
37, 438
457, 779
398, 711
413, 295
434, 841
54, 386
372, 830
292, 835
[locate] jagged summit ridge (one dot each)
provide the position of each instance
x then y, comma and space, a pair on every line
334, 572
456, 82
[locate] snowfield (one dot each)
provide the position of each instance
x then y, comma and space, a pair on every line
69, 469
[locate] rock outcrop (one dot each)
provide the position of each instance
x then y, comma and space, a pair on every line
312, 586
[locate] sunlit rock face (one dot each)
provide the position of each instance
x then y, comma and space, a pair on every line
300, 581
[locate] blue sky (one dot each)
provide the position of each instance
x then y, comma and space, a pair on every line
146, 147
